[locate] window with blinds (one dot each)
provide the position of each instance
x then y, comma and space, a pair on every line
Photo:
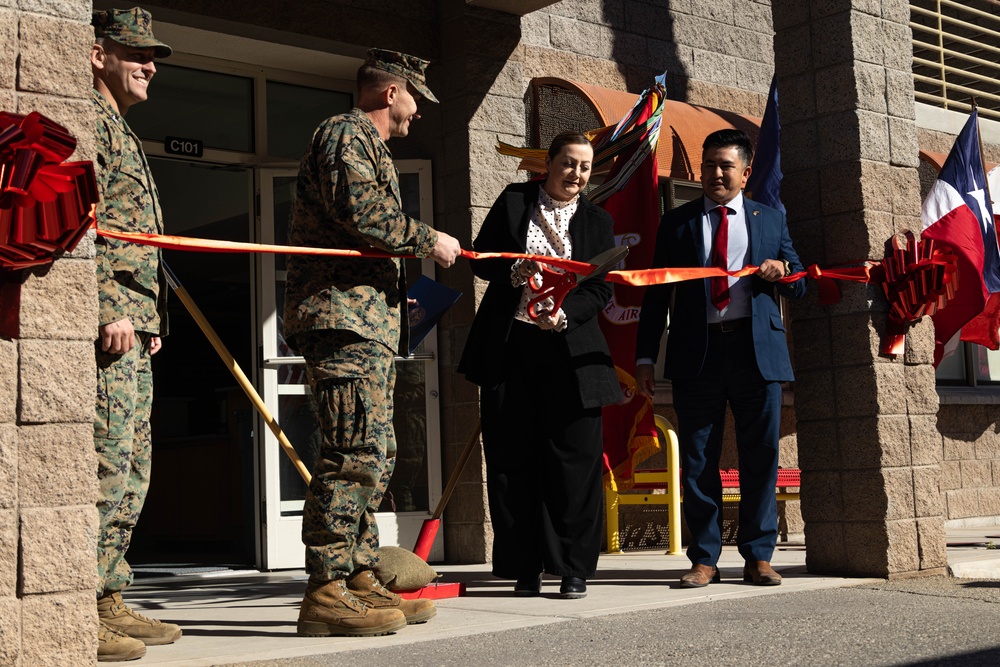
956, 51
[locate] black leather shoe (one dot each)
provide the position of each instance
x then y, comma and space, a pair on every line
528, 586
573, 588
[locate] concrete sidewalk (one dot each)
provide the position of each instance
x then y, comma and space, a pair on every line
245, 617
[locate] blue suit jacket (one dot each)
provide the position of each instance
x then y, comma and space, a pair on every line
680, 243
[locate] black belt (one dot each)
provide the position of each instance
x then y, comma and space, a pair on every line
729, 325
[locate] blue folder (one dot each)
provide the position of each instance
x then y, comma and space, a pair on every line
433, 301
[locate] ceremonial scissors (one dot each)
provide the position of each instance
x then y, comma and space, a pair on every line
556, 285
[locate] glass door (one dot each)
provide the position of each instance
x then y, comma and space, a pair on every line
200, 509
416, 482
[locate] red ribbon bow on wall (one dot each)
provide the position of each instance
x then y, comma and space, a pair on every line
46, 205
918, 278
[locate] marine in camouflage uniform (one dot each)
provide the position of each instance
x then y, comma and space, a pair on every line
348, 197
131, 296
347, 317
130, 285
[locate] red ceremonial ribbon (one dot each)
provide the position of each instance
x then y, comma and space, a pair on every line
918, 277
639, 277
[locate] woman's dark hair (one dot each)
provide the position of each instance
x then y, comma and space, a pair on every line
738, 139
565, 139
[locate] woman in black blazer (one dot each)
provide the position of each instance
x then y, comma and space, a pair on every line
543, 381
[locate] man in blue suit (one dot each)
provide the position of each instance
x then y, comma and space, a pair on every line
726, 344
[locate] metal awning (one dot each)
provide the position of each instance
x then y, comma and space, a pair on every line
682, 132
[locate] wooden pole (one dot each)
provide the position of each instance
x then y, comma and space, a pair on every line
463, 459
237, 372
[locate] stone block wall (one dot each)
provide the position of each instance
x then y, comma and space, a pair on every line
970, 466
870, 469
717, 54
48, 486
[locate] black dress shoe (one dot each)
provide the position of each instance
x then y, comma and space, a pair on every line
573, 588
528, 586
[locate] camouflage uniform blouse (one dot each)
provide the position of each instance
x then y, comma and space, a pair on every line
348, 197
129, 280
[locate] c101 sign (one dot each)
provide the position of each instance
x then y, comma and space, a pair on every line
181, 146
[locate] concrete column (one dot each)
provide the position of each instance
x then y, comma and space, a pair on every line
48, 486
867, 426
482, 100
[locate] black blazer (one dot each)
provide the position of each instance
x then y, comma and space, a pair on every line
506, 230
680, 243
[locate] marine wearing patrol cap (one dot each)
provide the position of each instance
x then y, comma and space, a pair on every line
131, 27
410, 68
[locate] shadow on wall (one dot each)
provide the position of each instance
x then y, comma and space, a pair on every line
643, 45
968, 424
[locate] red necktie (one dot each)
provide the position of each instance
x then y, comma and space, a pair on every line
720, 254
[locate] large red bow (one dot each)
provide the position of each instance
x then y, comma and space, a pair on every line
918, 278
45, 204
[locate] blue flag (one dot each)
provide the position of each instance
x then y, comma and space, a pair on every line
764, 184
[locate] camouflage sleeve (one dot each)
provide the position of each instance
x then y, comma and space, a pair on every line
374, 214
111, 294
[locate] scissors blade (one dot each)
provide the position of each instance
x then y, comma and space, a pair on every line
604, 262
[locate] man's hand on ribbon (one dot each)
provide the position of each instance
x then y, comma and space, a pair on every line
771, 270
446, 250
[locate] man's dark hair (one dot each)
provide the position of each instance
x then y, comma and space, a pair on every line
373, 77
565, 139
726, 138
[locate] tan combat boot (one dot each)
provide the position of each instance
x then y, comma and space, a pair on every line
330, 609
113, 646
112, 611
366, 587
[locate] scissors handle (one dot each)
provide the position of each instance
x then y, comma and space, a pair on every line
549, 277
554, 286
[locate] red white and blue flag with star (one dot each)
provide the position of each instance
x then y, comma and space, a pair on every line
957, 213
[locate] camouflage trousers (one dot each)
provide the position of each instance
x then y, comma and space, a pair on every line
352, 382
123, 444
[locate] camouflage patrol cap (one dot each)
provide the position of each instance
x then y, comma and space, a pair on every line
131, 27
410, 68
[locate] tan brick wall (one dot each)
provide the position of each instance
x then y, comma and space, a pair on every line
717, 54
970, 445
48, 519
865, 420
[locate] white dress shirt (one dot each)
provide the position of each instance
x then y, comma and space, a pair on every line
738, 256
